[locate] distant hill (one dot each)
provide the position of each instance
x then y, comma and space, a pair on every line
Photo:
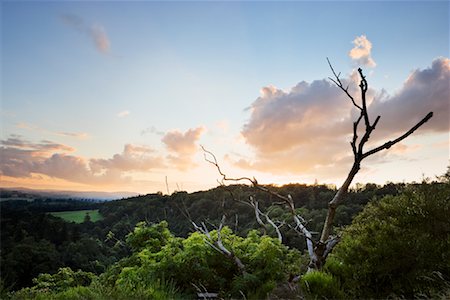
30, 194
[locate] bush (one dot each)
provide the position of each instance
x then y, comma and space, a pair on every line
77, 293
191, 261
400, 245
319, 285
62, 280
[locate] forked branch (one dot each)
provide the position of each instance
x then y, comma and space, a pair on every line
339, 84
218, 244
358, 147
389, 144
318, 251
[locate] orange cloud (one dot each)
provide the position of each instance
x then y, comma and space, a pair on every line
22, 159
183, 143
133, 158
361, 52
308, 129
182, 146
78, 135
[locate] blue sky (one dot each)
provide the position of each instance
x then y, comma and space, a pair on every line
90, 78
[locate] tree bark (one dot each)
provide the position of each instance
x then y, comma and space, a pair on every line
337, 199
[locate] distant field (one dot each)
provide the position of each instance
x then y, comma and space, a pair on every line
77, 216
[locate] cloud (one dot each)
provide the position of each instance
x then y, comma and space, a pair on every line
183, 143
64, 166
361, 52
133, 158
153, 130
31, 127
95, 32
100, 38
78, 135
308, 129
44, 146
19, 158
308, 112
123, 114
424, 91
182, 146
22, 159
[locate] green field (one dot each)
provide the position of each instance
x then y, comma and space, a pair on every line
78, 216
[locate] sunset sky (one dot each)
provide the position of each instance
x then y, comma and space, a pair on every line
118, 96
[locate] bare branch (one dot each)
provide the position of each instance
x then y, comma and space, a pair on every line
331, 243
287, 200
258, 212
254, 204
358, 157
214, 162
389, 144
253, 181
306, 233
363, 86
355, 135
339, 84
218, 245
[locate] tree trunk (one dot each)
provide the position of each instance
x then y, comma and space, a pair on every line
337, 199
321, 251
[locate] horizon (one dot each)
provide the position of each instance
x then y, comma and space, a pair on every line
130, 194
119, 96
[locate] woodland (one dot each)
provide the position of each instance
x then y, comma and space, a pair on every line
395, 243
241, 240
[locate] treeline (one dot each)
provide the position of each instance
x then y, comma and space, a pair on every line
33, 242
36, 205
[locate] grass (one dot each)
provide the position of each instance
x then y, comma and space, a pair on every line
78, 216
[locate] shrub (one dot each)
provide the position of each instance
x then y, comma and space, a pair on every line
400, 245
319, 285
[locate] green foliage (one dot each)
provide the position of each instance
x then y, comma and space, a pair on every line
150, 237
28, 228
399, 245
321, 285
151, 260
63, 279
76, 293
187, 262
67, 284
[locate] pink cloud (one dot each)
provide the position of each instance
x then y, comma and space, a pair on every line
133, 158
308, 129
361, 52
22, 159
182, 146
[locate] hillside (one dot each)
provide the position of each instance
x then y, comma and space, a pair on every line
34, 241
21, 193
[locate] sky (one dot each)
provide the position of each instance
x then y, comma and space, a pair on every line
119, 96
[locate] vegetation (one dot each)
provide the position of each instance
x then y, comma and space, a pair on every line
79, 216
398, 245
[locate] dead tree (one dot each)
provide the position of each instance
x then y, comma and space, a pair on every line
359, 154
319, 250
217, 244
